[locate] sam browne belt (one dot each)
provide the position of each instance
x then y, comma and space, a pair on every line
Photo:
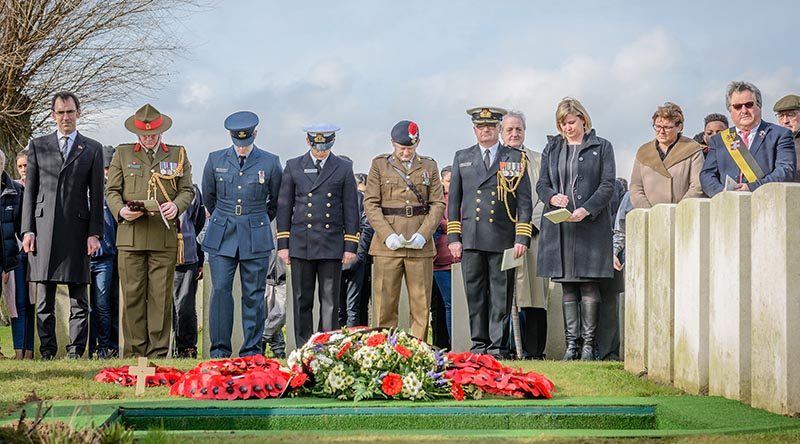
407, 211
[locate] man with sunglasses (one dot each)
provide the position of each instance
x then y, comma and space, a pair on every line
752, 152
486, 217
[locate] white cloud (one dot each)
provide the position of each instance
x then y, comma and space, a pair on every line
196, 94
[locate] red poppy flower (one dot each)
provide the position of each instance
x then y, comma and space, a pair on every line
298, 380
376, 340
457, 391
321, 339
343, 350
392, 384
404, 352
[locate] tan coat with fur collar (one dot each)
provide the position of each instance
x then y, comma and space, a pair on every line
654, 181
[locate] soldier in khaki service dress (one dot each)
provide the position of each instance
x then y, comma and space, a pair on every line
145, 171
404, 202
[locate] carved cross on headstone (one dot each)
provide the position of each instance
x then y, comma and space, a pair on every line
141, 371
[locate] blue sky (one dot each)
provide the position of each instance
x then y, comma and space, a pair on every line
364, 65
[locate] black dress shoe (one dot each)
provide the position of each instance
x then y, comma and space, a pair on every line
48, 356
73, 355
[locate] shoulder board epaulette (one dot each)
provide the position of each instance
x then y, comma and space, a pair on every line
426, 158
175, 146
125, 145
383, 156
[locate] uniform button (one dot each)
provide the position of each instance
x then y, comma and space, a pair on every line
491, 220
309, 204
239, 187
478, 209
310, 194
239, 200
132, 175
580, 159
580, 197
241, 173
309, 214
309, 225
408, 177
407, 188
478, 200
220, 179
492, 193
479, 191
327, 205
327, 214
491, 211
329, 194
327, 226
152, 171
477, 218
493, 202
262, 223
387, 180
408, 201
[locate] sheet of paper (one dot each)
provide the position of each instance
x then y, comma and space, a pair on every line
153, 206
558, 216
730, 184
509, 261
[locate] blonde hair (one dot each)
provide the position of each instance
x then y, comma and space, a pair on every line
568, 105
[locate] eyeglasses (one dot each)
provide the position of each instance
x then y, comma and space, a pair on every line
783, 114
738, 106
664, 128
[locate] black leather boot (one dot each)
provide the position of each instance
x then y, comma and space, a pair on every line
572, 327
588, 327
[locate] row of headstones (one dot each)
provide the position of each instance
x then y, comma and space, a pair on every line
713, 296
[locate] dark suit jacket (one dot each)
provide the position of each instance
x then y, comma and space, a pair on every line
772, 148
318, 214
63, 206
473, 200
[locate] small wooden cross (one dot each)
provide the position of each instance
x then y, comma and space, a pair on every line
141, 371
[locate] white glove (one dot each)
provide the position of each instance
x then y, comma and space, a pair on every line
393, 242
416, 242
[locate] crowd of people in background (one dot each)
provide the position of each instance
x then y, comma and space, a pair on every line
96, 219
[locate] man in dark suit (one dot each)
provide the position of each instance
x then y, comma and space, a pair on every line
489, 211
62, 221
318, 223
752, 152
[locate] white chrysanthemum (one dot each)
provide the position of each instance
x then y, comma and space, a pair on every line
335, 379
412, 385
324, 361
294, 358
365, 362
336, 337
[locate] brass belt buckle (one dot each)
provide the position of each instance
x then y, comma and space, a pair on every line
237, 210
409, 211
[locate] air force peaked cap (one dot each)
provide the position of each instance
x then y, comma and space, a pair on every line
242, 124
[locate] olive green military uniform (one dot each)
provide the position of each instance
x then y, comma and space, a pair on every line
147, 248
392, 207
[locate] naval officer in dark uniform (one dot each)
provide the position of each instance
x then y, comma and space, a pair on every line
318, 222
240, 189
489, 210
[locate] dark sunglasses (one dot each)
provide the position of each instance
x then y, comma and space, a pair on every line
738, 106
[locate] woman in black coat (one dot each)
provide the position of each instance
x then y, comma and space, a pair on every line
578, 173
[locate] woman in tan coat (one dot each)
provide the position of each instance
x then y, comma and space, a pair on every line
666, 169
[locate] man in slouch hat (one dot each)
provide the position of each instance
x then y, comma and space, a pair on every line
149, 184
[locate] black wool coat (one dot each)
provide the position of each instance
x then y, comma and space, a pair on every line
592, 190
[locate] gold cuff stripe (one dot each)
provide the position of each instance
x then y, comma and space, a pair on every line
282, 235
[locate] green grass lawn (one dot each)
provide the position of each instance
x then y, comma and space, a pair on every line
706, 419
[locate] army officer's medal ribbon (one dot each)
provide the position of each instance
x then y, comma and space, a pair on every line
261, 176
426, 178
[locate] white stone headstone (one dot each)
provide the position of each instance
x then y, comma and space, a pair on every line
636, 287
775, 299
691, 295
729, 296
461, 340
661, 293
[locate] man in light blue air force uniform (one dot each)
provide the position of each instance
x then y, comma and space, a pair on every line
240, 191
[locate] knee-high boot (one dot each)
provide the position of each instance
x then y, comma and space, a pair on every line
572, 327
588, 327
